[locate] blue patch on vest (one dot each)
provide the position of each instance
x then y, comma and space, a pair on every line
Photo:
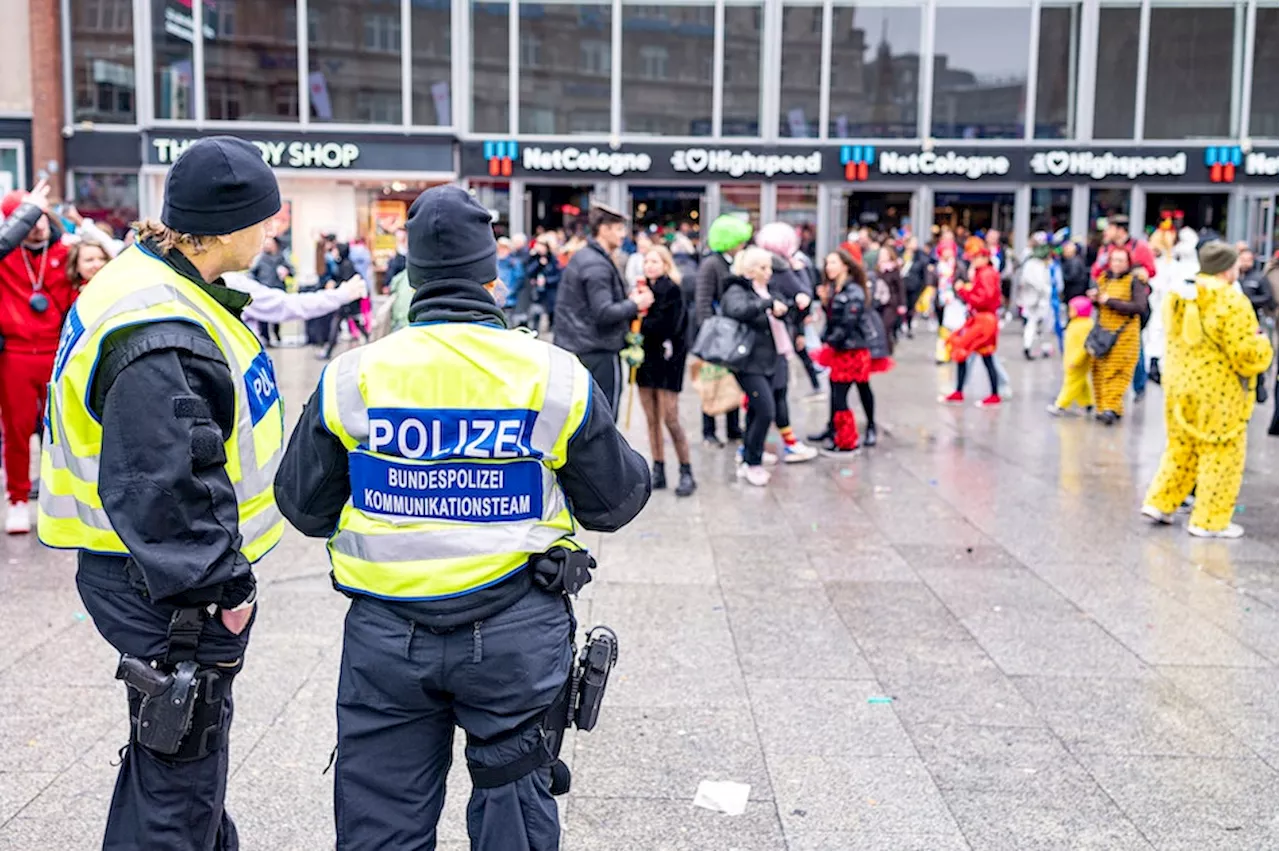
72, 331
459, 491
442, 433
260, 380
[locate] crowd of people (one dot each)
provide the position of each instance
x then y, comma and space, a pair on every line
631, 305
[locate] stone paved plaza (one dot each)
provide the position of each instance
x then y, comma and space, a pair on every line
1061, 675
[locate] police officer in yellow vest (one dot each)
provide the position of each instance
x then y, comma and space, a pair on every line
450, 465
162, 436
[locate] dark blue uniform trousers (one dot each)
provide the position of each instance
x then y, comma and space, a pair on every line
401, 692
160, 804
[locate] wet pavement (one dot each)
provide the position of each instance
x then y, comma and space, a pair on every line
963, 638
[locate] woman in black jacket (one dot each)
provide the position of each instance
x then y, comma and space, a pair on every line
346, 270
852, 351
748, 299
542, 273
661, 376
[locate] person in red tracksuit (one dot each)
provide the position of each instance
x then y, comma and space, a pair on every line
981, 331
35, 296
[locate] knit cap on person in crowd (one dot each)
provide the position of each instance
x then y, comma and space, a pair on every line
219, 185
1217, 257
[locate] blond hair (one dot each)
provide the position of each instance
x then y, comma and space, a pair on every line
751, 257
167, 239
668, 262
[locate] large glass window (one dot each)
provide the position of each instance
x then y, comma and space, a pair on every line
1056, 72
353, 61
742, 33
801, 71
432, 72
1115, 97
108, 198
1189, 72
980, 72
1264, 102
251, 64
102, 80
490, 67
875, 72
668, 55
171, 50
565, 67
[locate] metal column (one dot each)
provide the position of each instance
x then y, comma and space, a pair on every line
823, 235
1080, 213
1021, 218
768, 203
922, 213
1137, 209
516, 210
710, 208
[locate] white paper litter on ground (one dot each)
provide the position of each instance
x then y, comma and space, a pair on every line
722, 796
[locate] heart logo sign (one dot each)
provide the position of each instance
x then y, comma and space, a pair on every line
1057, 162
696, 159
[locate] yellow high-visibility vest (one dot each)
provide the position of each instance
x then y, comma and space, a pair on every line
135, 288
455, 431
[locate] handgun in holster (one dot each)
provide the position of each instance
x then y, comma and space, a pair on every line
168, 701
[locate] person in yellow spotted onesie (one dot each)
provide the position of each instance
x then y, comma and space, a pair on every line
1214, 353
1120, 295
1076, 363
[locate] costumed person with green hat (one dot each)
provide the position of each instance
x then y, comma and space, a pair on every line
1214, 353
725, 238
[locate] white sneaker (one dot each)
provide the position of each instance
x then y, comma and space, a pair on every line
1232, 531
757, 476
19, 520
765, 457
1156, 515
798, 453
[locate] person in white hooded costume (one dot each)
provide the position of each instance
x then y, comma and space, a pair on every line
1171, 270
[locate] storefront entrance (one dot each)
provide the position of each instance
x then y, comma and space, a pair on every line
1195, 210
974, 211
553, 205
880, 211
667, 209
1261, 222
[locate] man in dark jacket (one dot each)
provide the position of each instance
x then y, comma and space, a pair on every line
593, 308
1075, 274
166, 398
487, 655
727, 235
270, 268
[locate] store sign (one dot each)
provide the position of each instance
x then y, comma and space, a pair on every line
1100, 165
744, 163
277, 154
591, 160
948, 163
1261, 164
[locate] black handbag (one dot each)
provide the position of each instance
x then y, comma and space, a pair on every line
1101, 341
724, 342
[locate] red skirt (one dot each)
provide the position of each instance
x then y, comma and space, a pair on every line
851, 366
978, 335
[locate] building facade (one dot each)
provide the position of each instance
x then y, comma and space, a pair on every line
1015, 114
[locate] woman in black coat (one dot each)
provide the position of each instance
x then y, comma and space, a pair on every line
340, 253
660, 376
749, 299
543, 273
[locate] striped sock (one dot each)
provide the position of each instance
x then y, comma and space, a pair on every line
788, 436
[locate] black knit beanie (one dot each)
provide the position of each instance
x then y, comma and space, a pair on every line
219, 185
450, 236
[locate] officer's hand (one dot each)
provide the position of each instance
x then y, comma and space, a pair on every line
235, 620
353, 289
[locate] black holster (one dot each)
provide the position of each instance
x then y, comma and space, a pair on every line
561, 570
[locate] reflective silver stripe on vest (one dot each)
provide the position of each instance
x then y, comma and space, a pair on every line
528, 536
352, 410
556, 404
66, 507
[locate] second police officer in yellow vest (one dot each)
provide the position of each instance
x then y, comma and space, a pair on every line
443, 463
163, 431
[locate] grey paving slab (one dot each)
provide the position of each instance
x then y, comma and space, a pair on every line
929, 556
649, 825
1193, 803
877, 797
1245, 701
19, 788
1143, 716
883, 610
802, 717
799, 839
665, 562
858, 559
669, 751
1003, 822
791, 633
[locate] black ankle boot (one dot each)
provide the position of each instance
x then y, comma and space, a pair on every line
826, 434
659, 479
869, 436
687, 485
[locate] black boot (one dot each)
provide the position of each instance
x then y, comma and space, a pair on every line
659, 475
869, 436
826, 434
1153, 371
687, 485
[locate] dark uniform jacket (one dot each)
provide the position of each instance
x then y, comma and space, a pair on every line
166, 399
605, 480
593, 313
